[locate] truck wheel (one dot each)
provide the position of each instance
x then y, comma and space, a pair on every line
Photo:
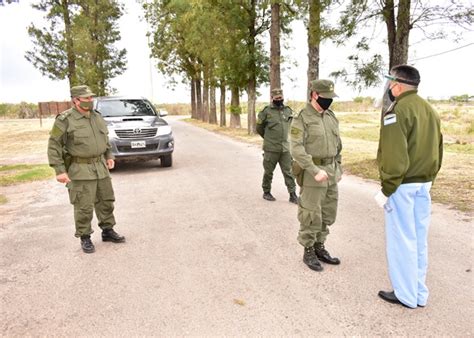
167, 161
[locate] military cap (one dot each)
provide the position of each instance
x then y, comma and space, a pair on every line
81, 91
277, 93
324, 88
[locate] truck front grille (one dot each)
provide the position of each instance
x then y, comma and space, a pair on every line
136, 133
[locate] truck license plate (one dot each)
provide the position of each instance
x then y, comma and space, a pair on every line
138, 144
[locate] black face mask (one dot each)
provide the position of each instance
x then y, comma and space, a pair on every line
278, 103
323, 102
390, 94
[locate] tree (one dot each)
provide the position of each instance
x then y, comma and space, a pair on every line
400, 18
275, 52
53, 52
96, 28
78, 45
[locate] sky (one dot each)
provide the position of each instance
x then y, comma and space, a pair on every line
441, 76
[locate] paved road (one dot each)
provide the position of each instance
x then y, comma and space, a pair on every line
206, 255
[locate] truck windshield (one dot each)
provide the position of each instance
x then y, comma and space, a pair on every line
125, 108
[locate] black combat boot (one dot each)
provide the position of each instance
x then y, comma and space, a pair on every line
268, 196
109, 235
324, 255
86, 244
293, 198
310, 259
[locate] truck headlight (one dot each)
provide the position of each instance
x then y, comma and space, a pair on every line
164, 130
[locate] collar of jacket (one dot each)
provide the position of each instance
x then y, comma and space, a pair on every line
405, 94
78, 115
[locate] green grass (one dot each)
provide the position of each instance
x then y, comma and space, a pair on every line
22, 173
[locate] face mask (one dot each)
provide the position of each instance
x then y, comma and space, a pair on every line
86, 105
390, 94
278, 103
323, 102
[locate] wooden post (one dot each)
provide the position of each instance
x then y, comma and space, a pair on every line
40, 114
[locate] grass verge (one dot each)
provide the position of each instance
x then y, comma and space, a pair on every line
360, 132
22, 173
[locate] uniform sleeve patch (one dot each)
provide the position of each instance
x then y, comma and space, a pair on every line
56, 132
389, 119
295, 131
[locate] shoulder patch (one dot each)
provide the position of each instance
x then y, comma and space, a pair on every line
389, 119
295, 131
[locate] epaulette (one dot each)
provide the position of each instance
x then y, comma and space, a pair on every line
330, 112
298, 113
64, 115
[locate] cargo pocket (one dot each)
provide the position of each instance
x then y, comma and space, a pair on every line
105, 191
75, 194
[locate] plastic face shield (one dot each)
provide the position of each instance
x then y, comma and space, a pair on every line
384, 103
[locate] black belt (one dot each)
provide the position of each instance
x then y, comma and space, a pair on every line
86, 159
323, 161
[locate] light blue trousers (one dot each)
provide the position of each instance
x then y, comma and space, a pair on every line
407, 219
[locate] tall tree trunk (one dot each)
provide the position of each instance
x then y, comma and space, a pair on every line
235, 108
71, 57
400, 53
275, 53
222, 120
198, 97
193, 98
252, 98
212, 108
314, 40
252, 70
205, 97
388, 11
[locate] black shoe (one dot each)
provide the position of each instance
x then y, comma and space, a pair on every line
109, 235
293, 198
324, 255
389, 296
310, 259
87, 245
268, 196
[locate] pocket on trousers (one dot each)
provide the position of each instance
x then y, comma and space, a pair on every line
75, 194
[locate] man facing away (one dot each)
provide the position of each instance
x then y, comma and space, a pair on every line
273, 124
409, 158
79, 152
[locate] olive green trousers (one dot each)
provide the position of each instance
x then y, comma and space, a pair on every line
90, 195
317, 209
270, 160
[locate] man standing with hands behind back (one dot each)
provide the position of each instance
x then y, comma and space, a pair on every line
79, 152
409, 158
272, 124
316, 147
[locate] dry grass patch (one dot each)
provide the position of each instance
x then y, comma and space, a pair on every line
23, 137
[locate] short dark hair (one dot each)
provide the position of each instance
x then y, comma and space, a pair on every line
407, 72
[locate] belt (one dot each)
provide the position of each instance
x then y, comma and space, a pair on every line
86, 159
323, 161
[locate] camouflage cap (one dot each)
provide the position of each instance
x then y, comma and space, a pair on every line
277, 93
81, 91
324, 88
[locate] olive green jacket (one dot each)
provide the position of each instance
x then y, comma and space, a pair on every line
316, 136
76, 135
273, 125
411, 144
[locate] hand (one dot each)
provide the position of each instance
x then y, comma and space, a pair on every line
63, 178
381, 199
321, 176
110, 163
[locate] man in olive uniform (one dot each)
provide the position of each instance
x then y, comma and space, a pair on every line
409, 158
316, 147
272, 124
79, 152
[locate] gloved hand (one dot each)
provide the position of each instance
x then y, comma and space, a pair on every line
381, 199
